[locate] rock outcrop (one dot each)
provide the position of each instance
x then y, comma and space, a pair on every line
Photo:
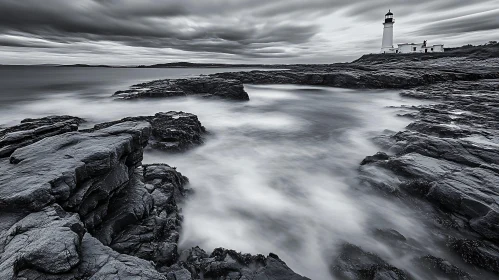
372, 73
80, 205
202, 86
448, 157
171, 131
148, 225
55, 192
354, 263
441, 268
33, 130
228, 264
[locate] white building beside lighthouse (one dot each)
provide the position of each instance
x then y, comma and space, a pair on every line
388, 47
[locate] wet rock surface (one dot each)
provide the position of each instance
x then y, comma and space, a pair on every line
448, 159
171, 131
80, 205
354, 263
441, 268
32, 130
228, 264
56, 192
363, 73
202, 86
360, 75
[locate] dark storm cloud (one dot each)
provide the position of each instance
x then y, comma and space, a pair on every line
475, 22
139, 25
238, 28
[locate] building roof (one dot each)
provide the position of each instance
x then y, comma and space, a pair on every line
418, 44
410, 44
389, 13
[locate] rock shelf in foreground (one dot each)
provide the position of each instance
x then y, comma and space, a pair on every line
170, 131
79, 205
33, 130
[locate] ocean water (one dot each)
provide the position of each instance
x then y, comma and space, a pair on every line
275, 174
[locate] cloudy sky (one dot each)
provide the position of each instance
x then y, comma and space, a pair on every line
239, 31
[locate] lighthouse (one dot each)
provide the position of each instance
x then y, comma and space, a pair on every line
387, 46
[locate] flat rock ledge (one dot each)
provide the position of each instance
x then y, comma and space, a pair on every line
201, 86
80, 205
446, 164
33, 130
170, 131
402, 74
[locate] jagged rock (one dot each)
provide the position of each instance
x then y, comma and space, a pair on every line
461, 151
203, 86
480, 253
86, 174
405, 74
377, 157
448, 156
90, 174
171, 131
29, 124
176, 131
436, 159
63, 168
48, 241
177, 272
52, 244
441, 268
228, 264
58, 193
471, 192
33, 130
155, 236
353, 263
100, 262
130, 205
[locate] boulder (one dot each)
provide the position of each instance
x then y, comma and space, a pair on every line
171, 131
100, 262
48, 241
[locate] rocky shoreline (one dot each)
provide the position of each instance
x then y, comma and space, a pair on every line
79, 204
366, 73
447, 158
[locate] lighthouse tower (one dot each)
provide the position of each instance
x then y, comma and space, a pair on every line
387, 46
